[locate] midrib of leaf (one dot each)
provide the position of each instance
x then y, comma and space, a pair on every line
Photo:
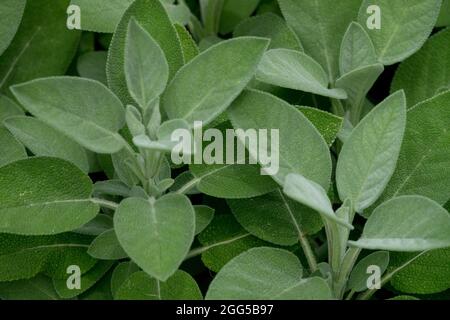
19, 56
47, 246
46, 203
154, 220
196, 106
42, 291
198, 251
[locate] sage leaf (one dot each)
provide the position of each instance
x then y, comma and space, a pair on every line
217, 77
233, 12
223, 240
152, 16
399, 36
165, 227
32, 43
42, 196
92, 65
310, 157
96, 226
358, 277
146, 68
270, 26
140, 286
321, 37
85, 110
444, 16
326, 123
275, 218
121, 273
312, 195
107, 247
23, 257
203, 217
423, 167
188, 45
11, 12
12, 149
8, 108
43, 140
87, 280
369, 156
425, 275
37, 288
357, 49
406, 223
266, 274
428, 63
296, 70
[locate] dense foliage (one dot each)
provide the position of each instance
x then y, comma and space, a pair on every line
358, 91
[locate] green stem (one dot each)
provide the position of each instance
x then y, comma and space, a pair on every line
187, 186
348, 262
307, 250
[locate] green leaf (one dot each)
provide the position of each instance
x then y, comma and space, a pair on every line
101, 15
12, 149
188, 45
211, 11
152, 16
146, 68
122, 273
11, 12
296, 70
203, 217
92, 65
275, 218
400, 35
425, 74
326, 123
312, 195
32, 43
234, 11
38, 288
217, 77
87, 280
223, 240
266, 274
423, 167
44, 196
427, 274
357, 49
369, 156
96, 226
140, 286
444, 16
270, 26
43, 140
310, 157
357, 84
23, 257
165, 228
358, 277
321, 37
8, 108
107, 247
406, 223
85, 110
100, 290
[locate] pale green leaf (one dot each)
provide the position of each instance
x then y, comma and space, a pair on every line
357, 49
406, 223
405, 26
92, 65
152, 16
296, 70
157, 234
358, 277
270, 26
369, 156
218, 76
43, 140
203, 217
11, 149
233, 12
85, 110
321, 25
122, 273
146, 68
310, 157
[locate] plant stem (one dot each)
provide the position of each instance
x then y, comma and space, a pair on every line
307, 250
105, 203
345, 269
366, 295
